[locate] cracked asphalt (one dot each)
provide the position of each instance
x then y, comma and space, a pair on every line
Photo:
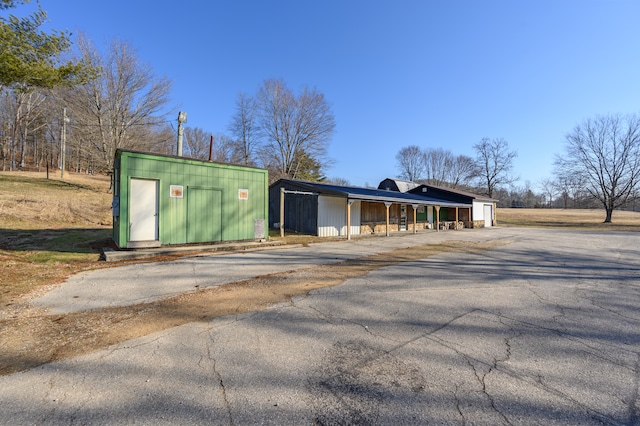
544, 330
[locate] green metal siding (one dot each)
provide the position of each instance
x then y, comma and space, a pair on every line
210, 210
204, 214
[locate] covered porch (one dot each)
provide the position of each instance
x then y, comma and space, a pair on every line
386, 217
334, 210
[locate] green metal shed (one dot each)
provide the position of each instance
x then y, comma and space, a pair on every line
162, 200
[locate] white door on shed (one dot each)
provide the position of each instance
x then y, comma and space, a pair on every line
488, 215
143, 210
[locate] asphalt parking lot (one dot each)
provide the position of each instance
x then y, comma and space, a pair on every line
543, 330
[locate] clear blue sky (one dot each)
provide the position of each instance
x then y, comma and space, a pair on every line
397, 73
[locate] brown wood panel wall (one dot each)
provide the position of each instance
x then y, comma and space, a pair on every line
376, 212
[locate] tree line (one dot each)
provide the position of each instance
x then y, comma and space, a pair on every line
277, 129
491, 168
78, 111
600, 167
76, 108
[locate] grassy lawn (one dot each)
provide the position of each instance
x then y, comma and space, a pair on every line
49, 229
569, 218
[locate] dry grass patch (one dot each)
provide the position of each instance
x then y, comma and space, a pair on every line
569, 218
31, 201
51, 229
302, 239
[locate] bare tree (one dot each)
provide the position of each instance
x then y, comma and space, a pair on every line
196, 143
529, 198
225, 149
435, 166
437, 163
572, 187
122, 108
163, 138
23, 121
199, 144
462, 171
293, 128
604, 153
410, 161
338, 181
563, 190
244, 129
549, 188
494, 161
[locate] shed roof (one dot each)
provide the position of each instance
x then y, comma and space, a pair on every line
370, 194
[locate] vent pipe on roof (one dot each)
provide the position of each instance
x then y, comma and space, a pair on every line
182, 118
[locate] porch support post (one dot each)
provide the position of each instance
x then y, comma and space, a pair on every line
437, 218
349, 202
387, 205
494, 218
415, 218
282, 212
456, 227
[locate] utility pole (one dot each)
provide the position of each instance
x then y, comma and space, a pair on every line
182, 118
63, 140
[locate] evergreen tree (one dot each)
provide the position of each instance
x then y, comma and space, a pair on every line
30, 57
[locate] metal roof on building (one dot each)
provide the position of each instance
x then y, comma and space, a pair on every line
371, 194
455, 191
415, 187
402, 185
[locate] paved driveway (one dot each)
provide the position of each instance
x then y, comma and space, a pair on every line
545, 330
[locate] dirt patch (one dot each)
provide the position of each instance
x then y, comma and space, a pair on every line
32, 338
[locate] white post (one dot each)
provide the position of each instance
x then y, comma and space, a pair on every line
387, 205
349, 202
282, 212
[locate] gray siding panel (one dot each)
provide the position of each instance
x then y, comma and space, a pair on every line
300, 211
